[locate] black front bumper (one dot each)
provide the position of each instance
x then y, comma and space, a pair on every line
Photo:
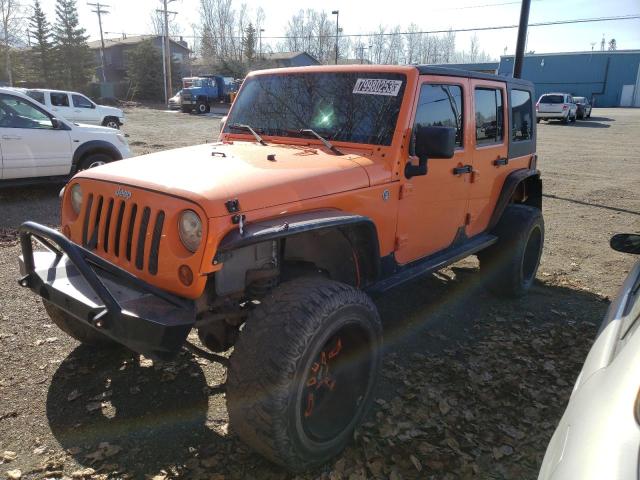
102, 295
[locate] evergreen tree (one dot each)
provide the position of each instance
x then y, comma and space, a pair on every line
249, 42
144, 71
73, 57
42, 52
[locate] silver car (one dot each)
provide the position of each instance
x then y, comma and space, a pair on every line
598, 436
556, 106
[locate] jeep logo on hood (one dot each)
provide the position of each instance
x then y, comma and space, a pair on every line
122, 193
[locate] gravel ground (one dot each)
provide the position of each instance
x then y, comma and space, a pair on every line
472, 386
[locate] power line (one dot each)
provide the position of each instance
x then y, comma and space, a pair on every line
427, 32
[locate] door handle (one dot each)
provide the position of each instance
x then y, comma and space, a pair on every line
11, 137
462, 170
501, 161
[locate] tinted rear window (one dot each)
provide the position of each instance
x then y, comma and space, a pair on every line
552, 99
579, 99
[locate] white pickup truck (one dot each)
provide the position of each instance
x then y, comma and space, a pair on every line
38, 145
76, 107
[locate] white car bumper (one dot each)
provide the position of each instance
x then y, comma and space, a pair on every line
553, 115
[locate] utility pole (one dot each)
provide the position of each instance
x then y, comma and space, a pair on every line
337, 14
260, 48
98, 8
167, 50
522, 38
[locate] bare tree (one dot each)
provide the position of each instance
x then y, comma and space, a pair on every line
218, 20
156, 22
13, 25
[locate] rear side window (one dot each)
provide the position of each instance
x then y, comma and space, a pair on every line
81, 102
440, 105
521, 115
37, 96
552, 99
489, 121
59, 99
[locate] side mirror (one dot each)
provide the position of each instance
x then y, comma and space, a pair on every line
430, 142
55, 123
223, 120
626, 243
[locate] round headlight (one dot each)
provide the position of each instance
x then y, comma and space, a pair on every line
76, 198
190, 229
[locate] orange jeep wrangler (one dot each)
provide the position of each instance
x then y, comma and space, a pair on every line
328, 185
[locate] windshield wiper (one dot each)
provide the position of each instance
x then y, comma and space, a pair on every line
327, 143
240, 126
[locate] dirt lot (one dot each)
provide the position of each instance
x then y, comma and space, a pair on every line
473, 386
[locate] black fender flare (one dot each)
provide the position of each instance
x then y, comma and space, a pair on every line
511, 183
97, 146
288, 225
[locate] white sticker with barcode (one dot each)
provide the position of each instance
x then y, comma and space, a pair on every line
377, 86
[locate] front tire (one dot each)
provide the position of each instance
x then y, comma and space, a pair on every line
75, 328
94, 160
201, 108
111, 122
303, 371
512, 262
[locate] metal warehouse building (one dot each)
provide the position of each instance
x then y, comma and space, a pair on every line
610, 79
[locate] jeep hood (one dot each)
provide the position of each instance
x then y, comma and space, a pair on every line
212, 174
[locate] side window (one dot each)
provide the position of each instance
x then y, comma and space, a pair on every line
489, 121
521, 115
37, 96
440, 105
80, 101
16, 112
59, 99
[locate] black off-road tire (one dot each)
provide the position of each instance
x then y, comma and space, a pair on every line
94, 160
74, 328
276, 371
512, 262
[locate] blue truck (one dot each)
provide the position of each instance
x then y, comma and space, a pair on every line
206, 90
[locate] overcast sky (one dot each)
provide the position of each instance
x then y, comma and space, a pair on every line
364, 16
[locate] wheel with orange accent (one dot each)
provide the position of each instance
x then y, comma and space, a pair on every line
303, 371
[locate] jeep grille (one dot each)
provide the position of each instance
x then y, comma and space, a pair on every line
121, 229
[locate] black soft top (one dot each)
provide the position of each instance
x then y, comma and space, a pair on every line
458, 72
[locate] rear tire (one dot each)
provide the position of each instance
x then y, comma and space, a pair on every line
303, 371
74, 327
512, 262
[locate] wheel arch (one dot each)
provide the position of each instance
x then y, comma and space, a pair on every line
345, 245
91, 147
522, 186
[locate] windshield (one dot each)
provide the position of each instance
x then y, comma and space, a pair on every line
552, 99
353, 107
197, 83
579, 99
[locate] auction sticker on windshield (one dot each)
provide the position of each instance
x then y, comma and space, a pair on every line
377, 86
